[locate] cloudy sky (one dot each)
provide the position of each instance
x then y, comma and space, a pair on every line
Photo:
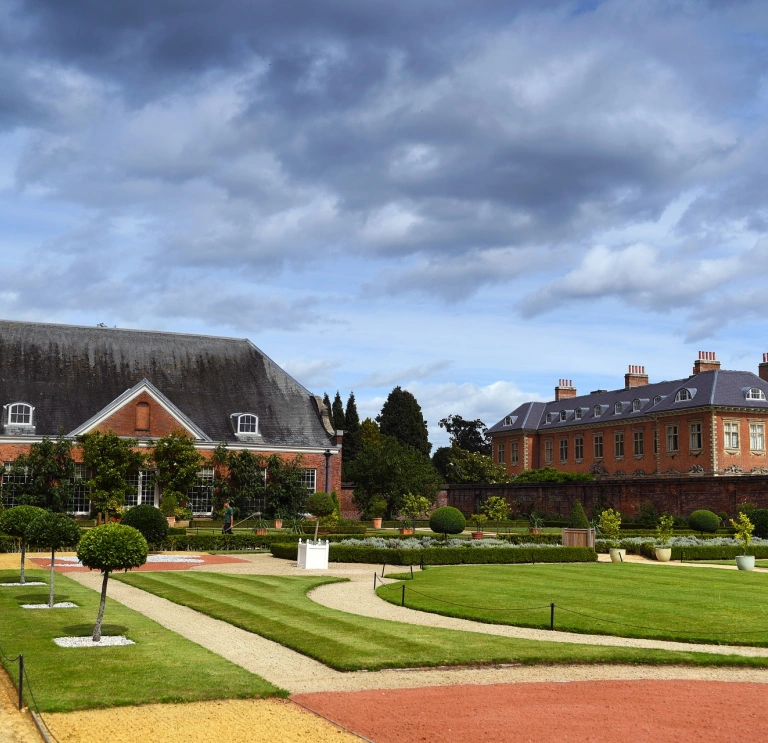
469, 199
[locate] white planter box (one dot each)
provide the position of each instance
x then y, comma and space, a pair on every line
313, 556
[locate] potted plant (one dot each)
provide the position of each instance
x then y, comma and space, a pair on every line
664, 530
413, 506
279, 516
496, 509
168, 507
478, 519
744, 528
261, 525
610, 524
377, 509
535, 523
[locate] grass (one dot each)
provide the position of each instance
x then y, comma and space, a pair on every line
278, 608
732, 562
155, 669
690, 605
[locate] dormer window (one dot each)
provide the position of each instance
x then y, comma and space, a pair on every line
549, 418
563, 415
636, 405
577, 413
754, 393
509, 420
247, 423
657, 399
683, 395
617, 408
598, 410
20, 414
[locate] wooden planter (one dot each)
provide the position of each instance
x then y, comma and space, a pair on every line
579, 538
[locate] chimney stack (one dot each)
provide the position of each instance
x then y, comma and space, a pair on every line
635, 377
706, 362
565, 390
763, 368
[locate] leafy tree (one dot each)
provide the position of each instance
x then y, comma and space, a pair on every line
610, 524
369, 432
401, 418
108, 548
496, 509
178, 463
353, 439
468, 435
54, 531
148, 520
286, 489
241, 479
337, 410
472, 467
49, 470
14, 522
391, 470
320, 504
579, 518
550, 474
440, 460
111, 460
412, 507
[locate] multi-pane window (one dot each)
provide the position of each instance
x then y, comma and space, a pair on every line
755, 394
578, 448
515, 448
638, 444
563, 450
636, 405
563, 415
81, 495
598, 440
617, 408
11, 482
310, 480
618, 444
731, 432
143, 485
20, 414
683, 395
500, 453
757, 436
655, 440
673, 439
200, 495
577, 413
548, 451
598, 411
697, 437
247, 424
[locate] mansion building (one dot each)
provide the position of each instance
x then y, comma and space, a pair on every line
710, 423
147, 384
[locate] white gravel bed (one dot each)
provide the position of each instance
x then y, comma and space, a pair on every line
28, 583
73, 562
60, 605
87, 642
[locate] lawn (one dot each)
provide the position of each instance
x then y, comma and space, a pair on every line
687, 604
155, 669
278, 608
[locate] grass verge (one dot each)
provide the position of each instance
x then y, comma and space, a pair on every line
161, 667
278, 608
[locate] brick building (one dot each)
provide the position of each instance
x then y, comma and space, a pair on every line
146, 384
710, 423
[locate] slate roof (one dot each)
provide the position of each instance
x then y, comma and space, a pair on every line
70, 373
719, 388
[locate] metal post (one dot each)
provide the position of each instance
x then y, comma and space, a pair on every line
533, 558
552, 617
327, 454
382, 569
21, 681
402, 600
374, 581
411, 566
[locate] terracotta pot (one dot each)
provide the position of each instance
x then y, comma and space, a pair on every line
261, 532
406, 530
376, 523
531, 530
477, 535
171, 520
278, 523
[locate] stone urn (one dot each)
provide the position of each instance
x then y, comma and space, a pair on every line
745, 562
617, 555
663, 554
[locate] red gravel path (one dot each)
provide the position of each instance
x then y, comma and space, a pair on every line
574, 712
45, 562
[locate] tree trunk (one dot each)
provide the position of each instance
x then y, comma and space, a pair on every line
97, 628
317, 526
22, 580
50, 590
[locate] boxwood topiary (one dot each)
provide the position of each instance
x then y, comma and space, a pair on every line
149, 521
447, 520
759, 518
704, 521
579, 519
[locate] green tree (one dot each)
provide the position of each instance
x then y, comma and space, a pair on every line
401, 418
412, 507
369, 433
110, 460
178, 464
320, 504
496, 509
286, 489
550, 474
328, 406
241, 479
468, 435
391, 470
353, 438
108, 548
337, 410
14, 522
472, 467
47, 472
54, 531
579, 518
440, 460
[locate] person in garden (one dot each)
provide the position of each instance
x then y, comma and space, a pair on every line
229, 517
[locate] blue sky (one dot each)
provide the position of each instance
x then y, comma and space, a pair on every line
470, 200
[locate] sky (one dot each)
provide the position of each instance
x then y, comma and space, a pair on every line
470, 200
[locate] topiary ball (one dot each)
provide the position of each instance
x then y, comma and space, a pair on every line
704, 521
148, 520
320, 504
112, 547
447, 520
759, 518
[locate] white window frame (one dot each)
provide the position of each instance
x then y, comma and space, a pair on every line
673, 439
755, 393
549, 451
657, 399
731, 435
683, 395
696, 435
636, 406
577, 414
501, 453
247, 416
563, 415
757, 437
309, 478
618, 408
598, 444
598, 411
15, 407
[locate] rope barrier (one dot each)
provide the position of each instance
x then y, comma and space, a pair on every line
37, 707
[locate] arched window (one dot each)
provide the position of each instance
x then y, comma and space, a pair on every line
549, 418
577, 413
563, 415
142, 416
617, 408
683, 395
657, 399
20, 414
636, 406
598, 410
247, 423
755, 393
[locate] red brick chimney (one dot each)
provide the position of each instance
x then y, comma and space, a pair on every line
635, 377
564, 390
706, 362
763, 368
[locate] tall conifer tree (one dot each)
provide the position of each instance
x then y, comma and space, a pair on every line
337, 410
401, 418
327, 403
353, 437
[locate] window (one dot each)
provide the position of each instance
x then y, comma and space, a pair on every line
563, 415
20, 414
755, 394
549, 417
683, 395
81, 496
500, 453
636, 405
731, 431
697, 437
638, 444
617, 408
757, 436
514, 447
144, 488
657, 399
247, 423
578, 448
598, 441
563, 451
11, 482
142, 416
548, 451
310, 481
509, 420
598, 410
618, 444
577, 414
655, 440
672, 439
200, 496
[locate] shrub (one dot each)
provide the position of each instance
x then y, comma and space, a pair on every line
723, 516
54, 531
610, 523
759, 518
704, 521
579, 519
149, 521
447, 520
169, 505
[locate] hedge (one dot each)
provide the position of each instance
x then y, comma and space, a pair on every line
531, 538
309, 528
723, 552
444, 555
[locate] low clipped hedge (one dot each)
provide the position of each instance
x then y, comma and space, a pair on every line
531, 538
345, 528
443, 555
723, 552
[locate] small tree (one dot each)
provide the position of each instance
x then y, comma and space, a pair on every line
447, 520
178, 464
664, 529
54, 531
14, 522
478, 519
610, 524
320, 504
413, 506
579, 519
496, 509
744, 529
108, 548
